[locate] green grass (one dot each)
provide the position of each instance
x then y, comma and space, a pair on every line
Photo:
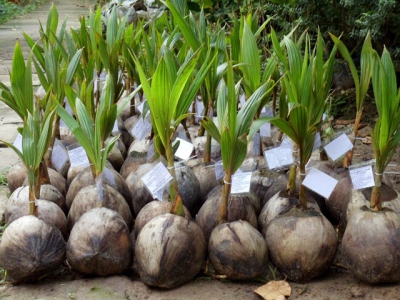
9, 10
3, 177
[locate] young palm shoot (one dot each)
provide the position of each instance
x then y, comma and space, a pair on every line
361, 82
386, 135
233, 130
306, 77
169, 96
369, 227
98, 207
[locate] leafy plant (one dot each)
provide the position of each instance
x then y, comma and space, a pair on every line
233, 132
386, 134
169, 94
306, 83
361, 82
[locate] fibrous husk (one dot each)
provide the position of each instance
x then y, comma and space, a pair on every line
239, 208
301, 244
47, 192
100, 243
48, 211
278, 204
189, 189
85, 178
152, 210
30, 249
238, 251
88, 198
115, 158
170, 251
370, 245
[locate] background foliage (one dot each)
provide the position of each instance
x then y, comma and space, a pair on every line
11, 9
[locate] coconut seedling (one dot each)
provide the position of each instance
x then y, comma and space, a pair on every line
294, 249
233, 133
31, 246
170, 249
361, 82
92, 249
374, 230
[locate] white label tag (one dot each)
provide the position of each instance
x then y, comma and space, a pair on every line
317, 141
18, 142
59, 155
256, 144
160, 193
77, 156
115, 128
199, 111
241, 183
265, 130
320, 182
338, 147
362, 177
140, 107
242, 100
279, 157
184, 150
219, 170
150, 152
141, 128
238, 171
156, 178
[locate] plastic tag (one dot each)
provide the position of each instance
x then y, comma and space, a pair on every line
279, 157
242, 100
115, 128
265, 130
109, 176
320, 182
18, 142
241, 183
59, 155
362, 177
150, 152
141, 129
77, 155
156, 178
256, 144
219, 170
184, 150
338, 147
199, 111
317, 141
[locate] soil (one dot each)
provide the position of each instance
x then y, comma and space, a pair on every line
336, 283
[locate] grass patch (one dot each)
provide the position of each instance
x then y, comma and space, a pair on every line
11, 9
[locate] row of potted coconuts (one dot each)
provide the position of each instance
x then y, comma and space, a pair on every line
101, 241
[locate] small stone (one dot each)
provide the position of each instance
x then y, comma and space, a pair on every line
358, 291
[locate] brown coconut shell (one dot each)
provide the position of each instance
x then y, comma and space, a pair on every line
280, 203
238, 251
152, 210
56, 180
115, 158
85, 179
48, 211
239, 208
47, 192
16, 176
301, 244
370, 245
205, 173
140, 195
87, 198
189, 189
31, 249
170, 251
132, 162
100, 243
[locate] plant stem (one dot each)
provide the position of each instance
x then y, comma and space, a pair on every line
226, 192
302, 189
207, 147
55, 133
349, 155
291, 184
177, 206
33, 190
376, 200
